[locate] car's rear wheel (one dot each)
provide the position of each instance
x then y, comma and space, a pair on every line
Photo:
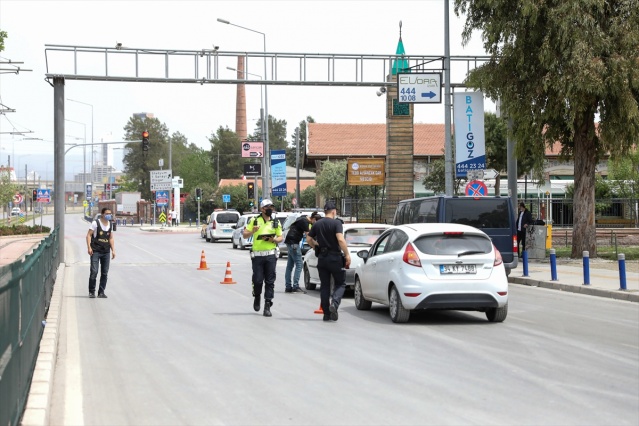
206, 237
497, 314
397, 311
360, 303
307, 279
233, 242
242, 246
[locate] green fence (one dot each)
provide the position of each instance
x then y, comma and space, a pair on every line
25, 293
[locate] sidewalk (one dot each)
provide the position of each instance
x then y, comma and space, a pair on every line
604, 277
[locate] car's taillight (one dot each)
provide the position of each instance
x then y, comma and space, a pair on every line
514, 242
214, 223
498, 259
411, 257
453, 233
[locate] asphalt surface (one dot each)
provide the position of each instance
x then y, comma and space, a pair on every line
171, 345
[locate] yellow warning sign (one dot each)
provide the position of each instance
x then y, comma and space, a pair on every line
162, 217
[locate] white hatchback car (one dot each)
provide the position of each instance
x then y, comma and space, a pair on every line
433, 266
237, 239
358, 236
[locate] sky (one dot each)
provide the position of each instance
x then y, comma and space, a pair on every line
197, 111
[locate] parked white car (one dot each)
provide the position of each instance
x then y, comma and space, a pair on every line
237, 239
433, 266
220, 226
358, 236
15, 211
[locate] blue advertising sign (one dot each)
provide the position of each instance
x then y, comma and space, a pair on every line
470, 145
161, 198
226, 198
278, 172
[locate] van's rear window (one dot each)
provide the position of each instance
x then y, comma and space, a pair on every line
227, 218
481, 213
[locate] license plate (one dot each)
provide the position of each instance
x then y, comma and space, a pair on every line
227, 230
457, 269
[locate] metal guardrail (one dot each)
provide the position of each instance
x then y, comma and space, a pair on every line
26, 287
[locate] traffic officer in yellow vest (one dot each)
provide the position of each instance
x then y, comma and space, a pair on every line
267, 233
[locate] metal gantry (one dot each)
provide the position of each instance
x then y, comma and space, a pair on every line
204, 66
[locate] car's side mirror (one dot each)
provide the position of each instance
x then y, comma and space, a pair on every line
234, 226
363, 254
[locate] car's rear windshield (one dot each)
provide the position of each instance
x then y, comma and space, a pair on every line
362, 236
453, 244
480, 213
227, 218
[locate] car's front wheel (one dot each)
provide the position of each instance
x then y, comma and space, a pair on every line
360, 303
242, 246
397, 311
307, 279
233, 242
497, 314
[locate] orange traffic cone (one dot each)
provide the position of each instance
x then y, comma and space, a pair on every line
320, 310
203, 266
227, 277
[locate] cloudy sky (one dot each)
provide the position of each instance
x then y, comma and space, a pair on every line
364, 27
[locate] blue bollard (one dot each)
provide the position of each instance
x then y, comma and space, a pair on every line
586, 256
524, 259
189, 222
197, 222
622, 271
553, 265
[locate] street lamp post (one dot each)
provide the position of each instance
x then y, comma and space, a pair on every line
262, 131
84, 174
267, 152
84, 103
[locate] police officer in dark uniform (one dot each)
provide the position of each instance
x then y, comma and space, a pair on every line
267, 233
326, 237
100, 245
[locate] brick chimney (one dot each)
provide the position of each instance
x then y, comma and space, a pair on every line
240, 105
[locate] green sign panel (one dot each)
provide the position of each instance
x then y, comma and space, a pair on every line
400, 109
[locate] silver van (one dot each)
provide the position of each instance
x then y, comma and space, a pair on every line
220, 226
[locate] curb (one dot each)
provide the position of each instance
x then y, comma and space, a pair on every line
36, 412
583, 289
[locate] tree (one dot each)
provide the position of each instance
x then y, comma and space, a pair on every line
435, 180
226, 153
139, 163
623, 174
290, 150
555, 66
3, 35
308, 197
7, 188
196, 168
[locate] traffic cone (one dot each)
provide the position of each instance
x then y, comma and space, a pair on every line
320, 310
203, 266
227, 277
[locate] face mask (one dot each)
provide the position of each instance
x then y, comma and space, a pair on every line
108, 216
268, 212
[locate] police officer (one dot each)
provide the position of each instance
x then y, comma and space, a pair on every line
326, 237
100, 245
267, 233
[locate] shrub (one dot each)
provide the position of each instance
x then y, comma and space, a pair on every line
23, 230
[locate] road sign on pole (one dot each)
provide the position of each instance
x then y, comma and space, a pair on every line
476, 188
161, 180
419, 88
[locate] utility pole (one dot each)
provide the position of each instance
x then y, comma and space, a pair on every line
297, 166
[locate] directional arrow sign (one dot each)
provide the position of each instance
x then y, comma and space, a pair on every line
255, 154
419, 88
490, 174
252, 149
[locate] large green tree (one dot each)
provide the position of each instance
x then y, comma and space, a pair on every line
435, 179
624, 175
557, 66
226, 154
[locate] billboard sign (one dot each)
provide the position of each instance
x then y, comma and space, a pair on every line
470, 145
252, 149
278, 173
366, 171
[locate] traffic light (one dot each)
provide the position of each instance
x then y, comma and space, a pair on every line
34, 196
198, 194
145, 141
250, 190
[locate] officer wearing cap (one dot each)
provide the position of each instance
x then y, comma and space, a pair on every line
326, 237
267, 233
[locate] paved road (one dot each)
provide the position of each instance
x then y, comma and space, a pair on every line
173, 346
